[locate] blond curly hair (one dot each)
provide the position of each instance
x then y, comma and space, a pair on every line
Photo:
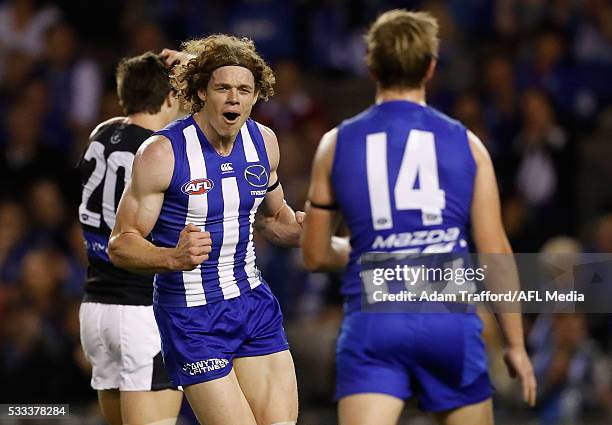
213, 52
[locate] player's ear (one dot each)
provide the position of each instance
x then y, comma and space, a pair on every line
171, 99
256, 97
202, 95
373, 76
174, 103
430, 70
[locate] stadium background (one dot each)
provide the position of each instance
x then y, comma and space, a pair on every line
532, 78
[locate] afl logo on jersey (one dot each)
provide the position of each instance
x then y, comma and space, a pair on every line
256, 175
197, 187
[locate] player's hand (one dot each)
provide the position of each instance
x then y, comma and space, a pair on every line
174, 57
518, 364
192, 248
300, 216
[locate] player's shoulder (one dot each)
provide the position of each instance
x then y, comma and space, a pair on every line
478, 149
176, 127
329, 138
327, 146
270, 141
154, 163
443, 120
156, 148
100, 128
266, 132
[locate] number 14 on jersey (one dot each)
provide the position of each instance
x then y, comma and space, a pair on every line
418, 161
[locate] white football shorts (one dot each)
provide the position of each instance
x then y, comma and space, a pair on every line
122, 344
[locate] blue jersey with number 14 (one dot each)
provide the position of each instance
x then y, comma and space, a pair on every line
403, 177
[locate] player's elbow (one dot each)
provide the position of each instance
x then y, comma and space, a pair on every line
314, 260
312, 264
493, 243
114, 252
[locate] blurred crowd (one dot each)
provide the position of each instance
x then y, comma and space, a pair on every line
532, 78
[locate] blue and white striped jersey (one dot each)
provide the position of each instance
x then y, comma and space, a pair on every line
220, 194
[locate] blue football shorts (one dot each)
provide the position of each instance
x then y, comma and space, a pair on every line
199, 343
438, 358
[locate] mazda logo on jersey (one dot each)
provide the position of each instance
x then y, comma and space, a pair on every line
197, 187
256, 175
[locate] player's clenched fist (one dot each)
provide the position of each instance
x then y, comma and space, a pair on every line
192, 248
299, 217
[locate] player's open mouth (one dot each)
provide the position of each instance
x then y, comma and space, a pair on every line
231, 117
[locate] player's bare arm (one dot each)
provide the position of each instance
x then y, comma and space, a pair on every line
321, 250
275, 219
139, 210
490, 238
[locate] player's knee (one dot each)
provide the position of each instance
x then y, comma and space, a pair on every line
285, 423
